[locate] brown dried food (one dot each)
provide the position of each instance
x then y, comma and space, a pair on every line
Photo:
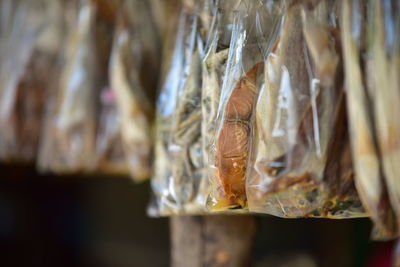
233, 142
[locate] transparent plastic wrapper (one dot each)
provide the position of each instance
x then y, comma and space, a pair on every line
229, 151
383, 84
133, 61
69, 140
368, 165
179, 184
382, 72
29, 37
213, 72
109, 147
301, 155
110, 157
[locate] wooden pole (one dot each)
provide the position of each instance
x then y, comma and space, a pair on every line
214, 241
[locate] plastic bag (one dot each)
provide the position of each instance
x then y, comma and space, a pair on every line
369, 178
69, 143
178, 180
383, 69
300, 120
374, 39
131, 60
110, 157
228, 154
29, 37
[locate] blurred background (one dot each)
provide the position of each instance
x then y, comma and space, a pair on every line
101, 221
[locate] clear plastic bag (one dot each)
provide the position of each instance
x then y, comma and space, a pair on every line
369, 179
383, 69
109, 147
69, 140
130, 57
29, 37
300, 120
381, 28
228, 153
110, 157
178, 180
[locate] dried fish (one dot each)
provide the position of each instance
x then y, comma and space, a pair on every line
70, 144
213, 70
179, 186
29, 37
369, 179
232, 129
299, 122
133, 106
382, 71
233, 143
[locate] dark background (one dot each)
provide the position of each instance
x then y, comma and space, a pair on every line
101, 221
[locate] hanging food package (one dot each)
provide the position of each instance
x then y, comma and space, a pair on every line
302, 163
368, 165
178, 181
29, 38
213, 69
229, 148
383, 82
69, 141
109, 156
134, 60
371, 45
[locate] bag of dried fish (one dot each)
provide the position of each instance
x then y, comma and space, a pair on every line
228, 154
29, 39
213, 69
132, 57
69, 144
382, 69
179, 183
367, 163
109, 157
299, 169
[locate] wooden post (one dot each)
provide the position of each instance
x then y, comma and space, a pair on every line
218, 240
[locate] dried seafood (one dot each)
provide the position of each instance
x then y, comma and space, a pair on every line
233, 143
133, 107
299, 120
71, 122
29, 37
369, 179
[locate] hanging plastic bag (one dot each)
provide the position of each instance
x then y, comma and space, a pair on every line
300, 116
178, 181
369, 179
228, 154
383, 69
110, 157
29, 37
374, 98
133, 59
69, 144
